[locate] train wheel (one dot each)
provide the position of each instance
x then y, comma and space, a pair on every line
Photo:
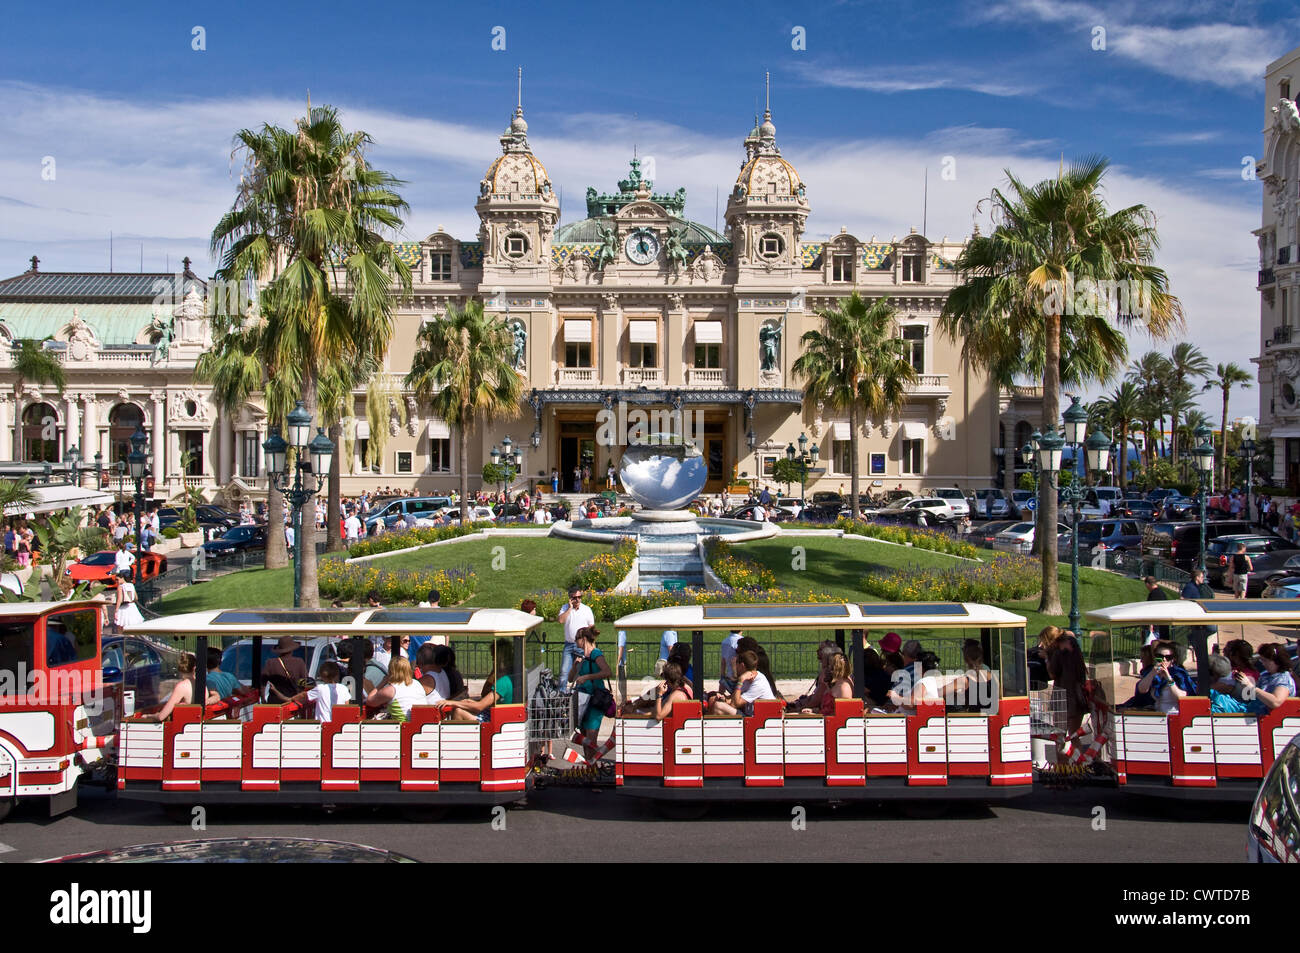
682, 810
6, 805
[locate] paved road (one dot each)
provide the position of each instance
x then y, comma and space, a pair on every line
581, 825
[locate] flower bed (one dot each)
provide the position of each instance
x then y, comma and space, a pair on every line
736, 571
1003, 579
608, 606
605, 570
339, 580
930, 539
388, 542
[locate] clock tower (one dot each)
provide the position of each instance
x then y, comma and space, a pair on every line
767, 208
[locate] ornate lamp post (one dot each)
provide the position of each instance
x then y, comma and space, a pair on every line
1247, 454
514, 460
313, 456
804, 458
1203, 453
136, 462
72, 460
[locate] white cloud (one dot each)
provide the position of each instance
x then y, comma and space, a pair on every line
160, 173
910, 78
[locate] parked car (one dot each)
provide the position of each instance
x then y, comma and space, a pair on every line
919, 517
938, 507
240, 850
791, 506
1181, 508
1120, 535
1282, 587
827, 511
954, 497
1179, 544
1143, 510
985, 534
392, 512
98, 567
142, 665
1273, 830
1269, 554
746, 512
1019, 537
1000, 505
236, 539
209, 516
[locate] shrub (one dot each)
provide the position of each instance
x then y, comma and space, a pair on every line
928, 539
605, 570
1003, 579
340, 580
736, 571
170, 532
610, 605
412, 537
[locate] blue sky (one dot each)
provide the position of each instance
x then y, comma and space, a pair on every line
139, 124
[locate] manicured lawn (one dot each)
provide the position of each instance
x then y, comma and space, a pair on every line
527, 565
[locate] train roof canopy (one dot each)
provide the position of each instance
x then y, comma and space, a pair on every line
342, 622
1197, 612
833, 615
9, 610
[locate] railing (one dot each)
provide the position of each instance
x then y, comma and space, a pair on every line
930, 384
1284, 255
1266, 277
197, 482
1282, 334
642, 376
706, 377
576, 375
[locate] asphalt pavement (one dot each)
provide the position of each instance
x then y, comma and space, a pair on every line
580, 824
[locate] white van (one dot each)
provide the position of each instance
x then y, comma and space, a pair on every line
954, 497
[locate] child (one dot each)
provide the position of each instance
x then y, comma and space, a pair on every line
327, 692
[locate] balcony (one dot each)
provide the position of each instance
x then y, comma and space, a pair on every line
642, 377
576, 376
706, 377
1266, 277
1284, 255
930, 385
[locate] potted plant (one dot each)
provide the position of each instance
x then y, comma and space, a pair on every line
188, 524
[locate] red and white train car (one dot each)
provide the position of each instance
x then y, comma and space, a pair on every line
270, 753
1193, 753
933, 752
52, 701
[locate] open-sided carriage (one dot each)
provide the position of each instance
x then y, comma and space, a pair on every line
1194, 753
245, 752
979, 753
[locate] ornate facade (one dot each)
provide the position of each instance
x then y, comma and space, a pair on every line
1279, 271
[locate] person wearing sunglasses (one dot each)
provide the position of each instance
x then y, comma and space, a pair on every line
1167, 681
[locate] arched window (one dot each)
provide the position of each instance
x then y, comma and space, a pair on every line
123, 421
40, 434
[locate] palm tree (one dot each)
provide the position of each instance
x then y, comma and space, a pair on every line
1225, 376
464, 369
1009, 311
32, 362
308, 224
1182, 401
1122, 407
856, 362
1151, 374
1185, 360
234, 368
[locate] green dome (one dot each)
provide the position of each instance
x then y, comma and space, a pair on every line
588, 230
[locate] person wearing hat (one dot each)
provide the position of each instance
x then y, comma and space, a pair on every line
284, 671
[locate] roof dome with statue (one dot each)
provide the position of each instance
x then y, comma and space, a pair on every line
764, 172
602, 208
516, 169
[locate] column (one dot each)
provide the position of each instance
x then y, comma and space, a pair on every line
226, 467
6, 431
18, 427
160, 457
674, 356
89, 429
73, 429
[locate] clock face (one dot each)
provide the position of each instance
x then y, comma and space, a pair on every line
642, 246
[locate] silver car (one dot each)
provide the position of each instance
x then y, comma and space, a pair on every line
1273, 833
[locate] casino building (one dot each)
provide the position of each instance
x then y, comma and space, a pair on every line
633, 307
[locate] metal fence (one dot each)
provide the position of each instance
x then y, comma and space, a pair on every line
184, 571
1136, 566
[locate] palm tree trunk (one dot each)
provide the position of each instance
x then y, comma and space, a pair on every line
1123, 457
464, 473
334, 510
1173, 438
307, 522
277, 550
1045, 533
1223, 442
853, 459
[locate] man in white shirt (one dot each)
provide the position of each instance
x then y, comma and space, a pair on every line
574, 616
352, 527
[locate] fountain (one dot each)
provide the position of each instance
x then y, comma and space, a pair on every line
663, 474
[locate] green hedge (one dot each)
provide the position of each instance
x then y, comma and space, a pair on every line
932, 540
734, 570
388, 542
350, 582
608, 606
1003, 579
605, 570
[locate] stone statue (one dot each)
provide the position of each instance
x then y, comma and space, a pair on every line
608, 250
674, 251
769, 340
520, 352
160, 336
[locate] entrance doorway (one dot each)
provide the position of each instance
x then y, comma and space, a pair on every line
577, 451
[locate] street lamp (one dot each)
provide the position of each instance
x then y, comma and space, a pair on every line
804, 458
1204, 456
513, 461
1247, 453
72, 460
136, 461
313, 456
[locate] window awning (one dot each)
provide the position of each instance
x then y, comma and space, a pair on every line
577, 330
363, 430
840, 430
708, 332
643, 332
50, 499
912, 430
1284, 433
438, 429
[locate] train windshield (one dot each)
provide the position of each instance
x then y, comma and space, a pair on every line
17, 637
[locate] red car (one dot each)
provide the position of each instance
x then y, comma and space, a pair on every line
99, 567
